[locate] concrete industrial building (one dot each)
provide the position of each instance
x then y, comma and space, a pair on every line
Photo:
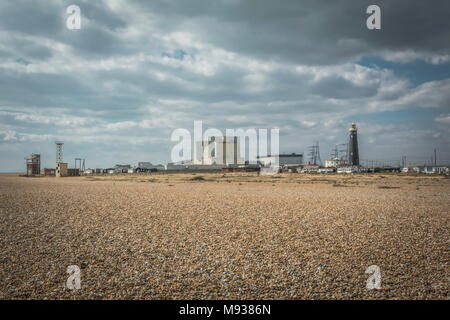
218, 151
73, 172
49, 172
33, 164
61, 169
281, 160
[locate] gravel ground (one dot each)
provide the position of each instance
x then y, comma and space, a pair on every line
223, 239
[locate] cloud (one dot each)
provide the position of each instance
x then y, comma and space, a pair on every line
445, 119
409, 56
309, 124
9, 135
138, 70
64, 120
307, 32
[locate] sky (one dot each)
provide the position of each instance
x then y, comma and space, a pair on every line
116, 89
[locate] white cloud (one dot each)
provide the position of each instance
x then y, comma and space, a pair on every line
63, 120
408, 56
445, 119
309, 124
433, 94
9, 135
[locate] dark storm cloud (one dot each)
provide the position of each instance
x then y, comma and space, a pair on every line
98, 12
39, 89
306, 32
48, 19
31, 17
313, 32
30, 50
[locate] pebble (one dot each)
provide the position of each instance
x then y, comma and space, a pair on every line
239, 237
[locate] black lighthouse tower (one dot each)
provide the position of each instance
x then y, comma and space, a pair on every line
353, 154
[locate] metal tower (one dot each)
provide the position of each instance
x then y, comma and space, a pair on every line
335, 153
319, 161
59, 145
343, 153
82, 167
353, 153
314, 154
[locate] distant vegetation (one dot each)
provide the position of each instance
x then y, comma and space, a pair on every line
197, 178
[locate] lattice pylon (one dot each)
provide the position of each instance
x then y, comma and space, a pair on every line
59, 156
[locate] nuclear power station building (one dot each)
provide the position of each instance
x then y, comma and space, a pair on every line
218, 151
353, 154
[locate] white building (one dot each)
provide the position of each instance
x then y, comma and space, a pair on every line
218, 151
326, 170
334, 163
350, 169
281, 160
426, 169
435, 170
308, 169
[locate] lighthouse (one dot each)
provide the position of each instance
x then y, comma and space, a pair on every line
353, 154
